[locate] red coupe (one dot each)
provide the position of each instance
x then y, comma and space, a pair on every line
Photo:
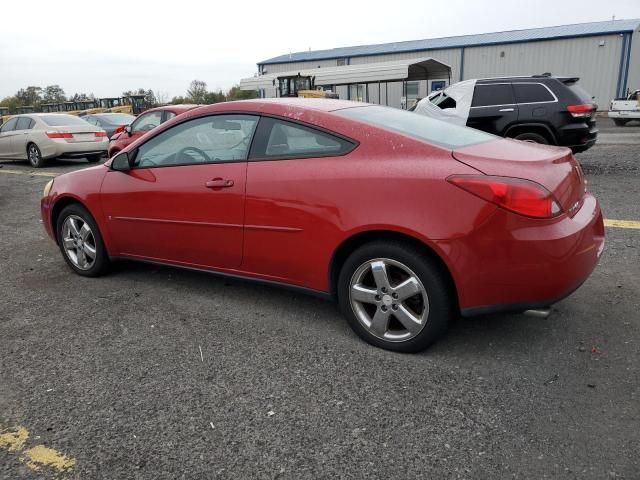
405, 220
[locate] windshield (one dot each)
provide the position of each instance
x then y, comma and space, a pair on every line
418, 126
61, 120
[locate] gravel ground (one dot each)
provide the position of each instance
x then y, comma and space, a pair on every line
157, 373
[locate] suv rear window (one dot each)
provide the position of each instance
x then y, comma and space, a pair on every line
579, 92
61, 120
492, 94
532, 93
424, 128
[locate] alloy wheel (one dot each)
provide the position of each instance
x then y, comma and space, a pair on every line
78, 242
389, 299
34, 155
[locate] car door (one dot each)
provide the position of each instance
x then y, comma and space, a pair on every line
493, 108
536, 102
183, 200
6, 134
21, 138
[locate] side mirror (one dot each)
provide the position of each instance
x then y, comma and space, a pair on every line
128, 129
121, 162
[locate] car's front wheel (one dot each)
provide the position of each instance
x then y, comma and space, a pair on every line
35, 156
394, 296
80, 241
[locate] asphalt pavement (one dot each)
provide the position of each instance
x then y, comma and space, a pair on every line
158, 373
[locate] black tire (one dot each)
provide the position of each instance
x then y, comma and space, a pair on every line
35, 156
532, 137
94, 158
101, 263
440, 297
619, 122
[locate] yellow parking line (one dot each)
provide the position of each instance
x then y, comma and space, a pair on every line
608, 222
30, 173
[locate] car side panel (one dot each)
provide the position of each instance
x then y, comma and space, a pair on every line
298, 211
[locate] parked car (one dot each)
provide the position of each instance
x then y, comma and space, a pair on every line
110, 122
623, 110
406, 221
40, 136
545, 109
147, 121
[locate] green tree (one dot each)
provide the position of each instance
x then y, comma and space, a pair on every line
53, 94
29, 96
214, 97
12, 102
235, 93
197, 91
178, 100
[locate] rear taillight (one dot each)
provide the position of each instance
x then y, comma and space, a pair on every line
582, 110
517, 195
101, 134
59, 135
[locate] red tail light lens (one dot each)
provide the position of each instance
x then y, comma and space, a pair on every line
101, 134
582, 110
59, 135
517, 195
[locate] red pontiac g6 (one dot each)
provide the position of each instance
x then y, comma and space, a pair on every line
405, 220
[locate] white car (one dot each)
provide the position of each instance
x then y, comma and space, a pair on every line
40, 136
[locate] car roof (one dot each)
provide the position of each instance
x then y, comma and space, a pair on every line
562, 78
280, 105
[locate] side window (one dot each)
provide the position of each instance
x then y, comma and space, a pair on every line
146, 122
168, 116
217, 138
532, 93
287, 139
23, 123
487, 95
9, 126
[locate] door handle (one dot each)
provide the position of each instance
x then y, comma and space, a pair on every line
219, 183
506, 110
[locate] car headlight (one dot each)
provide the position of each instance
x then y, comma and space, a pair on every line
47, 188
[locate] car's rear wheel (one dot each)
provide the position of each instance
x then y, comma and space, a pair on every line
93, 158
394, 296
532, 138
619, 122
35, 156
80, 241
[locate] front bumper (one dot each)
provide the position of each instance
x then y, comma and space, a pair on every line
514, 263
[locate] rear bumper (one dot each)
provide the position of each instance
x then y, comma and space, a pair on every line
625, 114
62, 148
513, 263
578, 136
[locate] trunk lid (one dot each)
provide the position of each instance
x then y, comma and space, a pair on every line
555, 168
81, 133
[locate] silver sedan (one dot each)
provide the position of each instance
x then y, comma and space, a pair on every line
40, 136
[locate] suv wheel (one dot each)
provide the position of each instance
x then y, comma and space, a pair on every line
394, 296
532, 138
619, 122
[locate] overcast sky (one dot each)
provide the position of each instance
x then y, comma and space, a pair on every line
108, 47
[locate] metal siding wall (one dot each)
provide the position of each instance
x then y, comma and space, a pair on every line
288, 67
342, 91
596, 66
633, 80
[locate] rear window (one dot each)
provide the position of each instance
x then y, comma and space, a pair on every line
61, 120
580, 92
532, 93
492, 94
418, 126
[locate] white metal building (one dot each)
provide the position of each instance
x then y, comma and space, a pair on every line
605, 55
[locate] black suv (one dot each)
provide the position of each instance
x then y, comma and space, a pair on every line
541, 108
